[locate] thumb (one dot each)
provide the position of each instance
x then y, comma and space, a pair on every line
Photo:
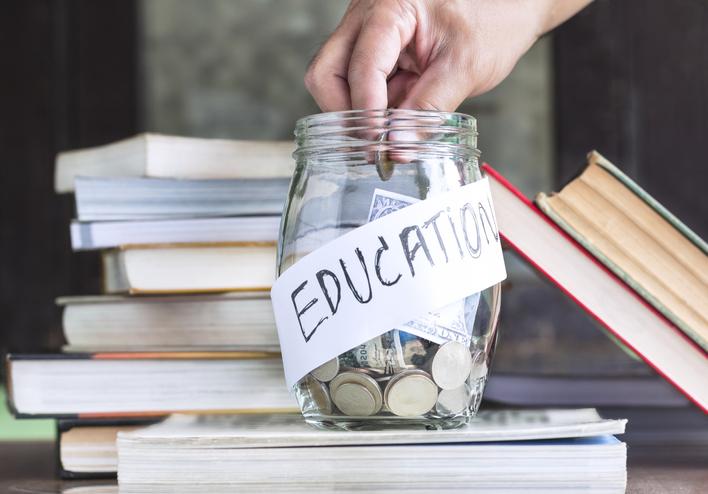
439, 88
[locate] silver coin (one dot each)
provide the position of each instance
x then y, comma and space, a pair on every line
326, 372
451, 365
479, 367
354, 400
410, 394
392, 379
318, 394
360, 377
452, 401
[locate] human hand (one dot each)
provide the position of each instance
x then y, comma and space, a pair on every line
426, 54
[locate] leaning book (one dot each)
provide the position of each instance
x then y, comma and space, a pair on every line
639, 240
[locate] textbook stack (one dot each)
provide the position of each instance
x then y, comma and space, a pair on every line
186, 229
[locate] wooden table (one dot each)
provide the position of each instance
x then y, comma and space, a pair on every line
29, 467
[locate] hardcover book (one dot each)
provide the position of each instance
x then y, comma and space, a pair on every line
638, 240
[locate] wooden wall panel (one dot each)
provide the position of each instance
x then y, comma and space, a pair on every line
69, 79
631, 80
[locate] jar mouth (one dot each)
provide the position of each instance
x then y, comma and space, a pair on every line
461, 120
432, 132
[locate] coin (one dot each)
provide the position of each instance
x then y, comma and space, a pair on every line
319, 394
354, 400
479, 367
326, 372
451, 401
451, 365
411, 393
360, 377
384, 165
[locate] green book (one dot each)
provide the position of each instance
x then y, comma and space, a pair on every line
639, 240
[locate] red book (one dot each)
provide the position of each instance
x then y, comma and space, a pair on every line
598, 291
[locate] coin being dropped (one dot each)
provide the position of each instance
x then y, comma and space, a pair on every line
451, 401
319, 395
384, 165
354, 400
411, 393
362, 379
451, 365
326, 372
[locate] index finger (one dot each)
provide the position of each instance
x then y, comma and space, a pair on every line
383, 35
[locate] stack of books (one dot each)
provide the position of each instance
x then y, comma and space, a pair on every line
187, 230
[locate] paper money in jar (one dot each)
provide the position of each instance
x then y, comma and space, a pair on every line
383, 355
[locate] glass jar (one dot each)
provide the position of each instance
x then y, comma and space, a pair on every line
403, 156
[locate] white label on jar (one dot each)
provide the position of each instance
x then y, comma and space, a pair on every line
446, 323
397, 268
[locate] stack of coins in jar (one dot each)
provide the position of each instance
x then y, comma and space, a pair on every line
397, 374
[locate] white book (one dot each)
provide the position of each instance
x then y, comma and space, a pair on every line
129, 199
543, 449
163, 156
189, 268
109, 234
110, 323
119, 384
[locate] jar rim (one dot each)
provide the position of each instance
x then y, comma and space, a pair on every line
351, 134
463, 120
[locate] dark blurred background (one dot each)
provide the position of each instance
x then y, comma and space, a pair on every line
626, 77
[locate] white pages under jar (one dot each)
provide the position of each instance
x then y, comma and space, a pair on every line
389, 264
